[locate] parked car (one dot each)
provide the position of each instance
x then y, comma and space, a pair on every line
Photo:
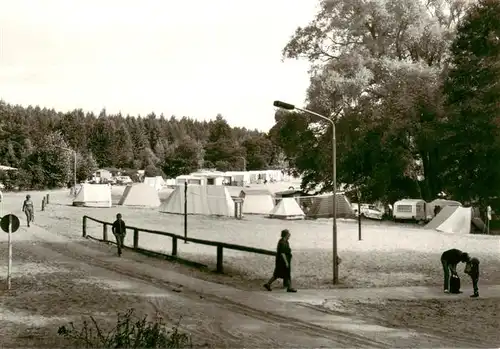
368, 211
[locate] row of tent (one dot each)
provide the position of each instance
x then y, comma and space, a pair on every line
215, 200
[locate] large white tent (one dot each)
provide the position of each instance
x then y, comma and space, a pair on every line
452, 219
287, 208
257, 201
156, 182
93, 195
140, 194
201, 199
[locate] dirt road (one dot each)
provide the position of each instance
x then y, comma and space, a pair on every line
56, 282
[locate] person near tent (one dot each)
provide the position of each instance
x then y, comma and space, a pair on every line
437, 208
472, 269
119, 231
28, 209
282, 268
449, 261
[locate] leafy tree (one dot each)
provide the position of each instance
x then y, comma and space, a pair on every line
222, 148
50, 164
377, 72
472, 91
85, 166
152, 171
184, 159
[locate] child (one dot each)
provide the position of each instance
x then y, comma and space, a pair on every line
472, 268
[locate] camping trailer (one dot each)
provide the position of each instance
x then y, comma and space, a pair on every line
410, 209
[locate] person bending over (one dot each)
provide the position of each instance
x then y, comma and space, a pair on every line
449, 260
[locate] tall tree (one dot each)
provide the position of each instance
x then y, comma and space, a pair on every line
472, 89
379, 63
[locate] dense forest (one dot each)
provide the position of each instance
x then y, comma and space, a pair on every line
41, 143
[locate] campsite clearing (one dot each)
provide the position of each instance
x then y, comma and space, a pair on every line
387, 255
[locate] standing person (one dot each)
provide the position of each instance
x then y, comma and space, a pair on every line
449, 260
282, 269
28, 209
472, 268
119, 231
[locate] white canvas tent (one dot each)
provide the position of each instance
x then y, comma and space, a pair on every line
287, 208
257, 201
442, 203
155, 182
201, 199
140, 194
93, 195
452, 219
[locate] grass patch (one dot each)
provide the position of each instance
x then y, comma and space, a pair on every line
130, 331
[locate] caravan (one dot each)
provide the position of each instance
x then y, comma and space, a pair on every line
410, 209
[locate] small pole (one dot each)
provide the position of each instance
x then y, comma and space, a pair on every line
185, 212
43, 204
359, 216
9, 267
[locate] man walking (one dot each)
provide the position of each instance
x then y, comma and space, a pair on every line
282, 269
449, 260
472, 269
28, 209
119, 231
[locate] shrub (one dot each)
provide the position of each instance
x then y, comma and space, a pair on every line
130, 331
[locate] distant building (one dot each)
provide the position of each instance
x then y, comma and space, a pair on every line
101, 174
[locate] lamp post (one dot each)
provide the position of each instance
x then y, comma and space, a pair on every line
288, 106
74, 166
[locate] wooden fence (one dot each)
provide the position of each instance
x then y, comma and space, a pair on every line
220, 246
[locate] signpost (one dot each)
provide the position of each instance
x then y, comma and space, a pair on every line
9, 224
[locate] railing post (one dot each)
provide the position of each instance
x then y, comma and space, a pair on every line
220, 257
105, 232
136, 238
47, 199
43, 204
84, 226
174, 246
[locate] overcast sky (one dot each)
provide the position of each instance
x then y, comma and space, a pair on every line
195, 58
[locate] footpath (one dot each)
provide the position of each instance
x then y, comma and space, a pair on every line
315, 296
268, 304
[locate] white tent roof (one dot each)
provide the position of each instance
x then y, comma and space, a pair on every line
155, 182
257, 201
140, 194
201, 199
94, 195
287, 208
452, 219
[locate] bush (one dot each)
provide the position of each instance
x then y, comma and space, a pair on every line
130, 331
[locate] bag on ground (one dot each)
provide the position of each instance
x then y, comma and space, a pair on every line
454, 284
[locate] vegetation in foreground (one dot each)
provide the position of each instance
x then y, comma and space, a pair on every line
130, 331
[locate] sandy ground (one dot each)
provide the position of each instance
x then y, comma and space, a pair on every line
51, 289
387, 255
475, 321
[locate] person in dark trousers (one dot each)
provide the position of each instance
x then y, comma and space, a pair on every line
119, 231
28, 209
472, 269
282, 269
449, 260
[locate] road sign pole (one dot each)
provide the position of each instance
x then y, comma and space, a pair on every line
9, 267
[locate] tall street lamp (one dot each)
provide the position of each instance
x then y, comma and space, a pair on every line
288, 106
74, 166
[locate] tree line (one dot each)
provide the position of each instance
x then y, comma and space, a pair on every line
414, 90
40, 142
